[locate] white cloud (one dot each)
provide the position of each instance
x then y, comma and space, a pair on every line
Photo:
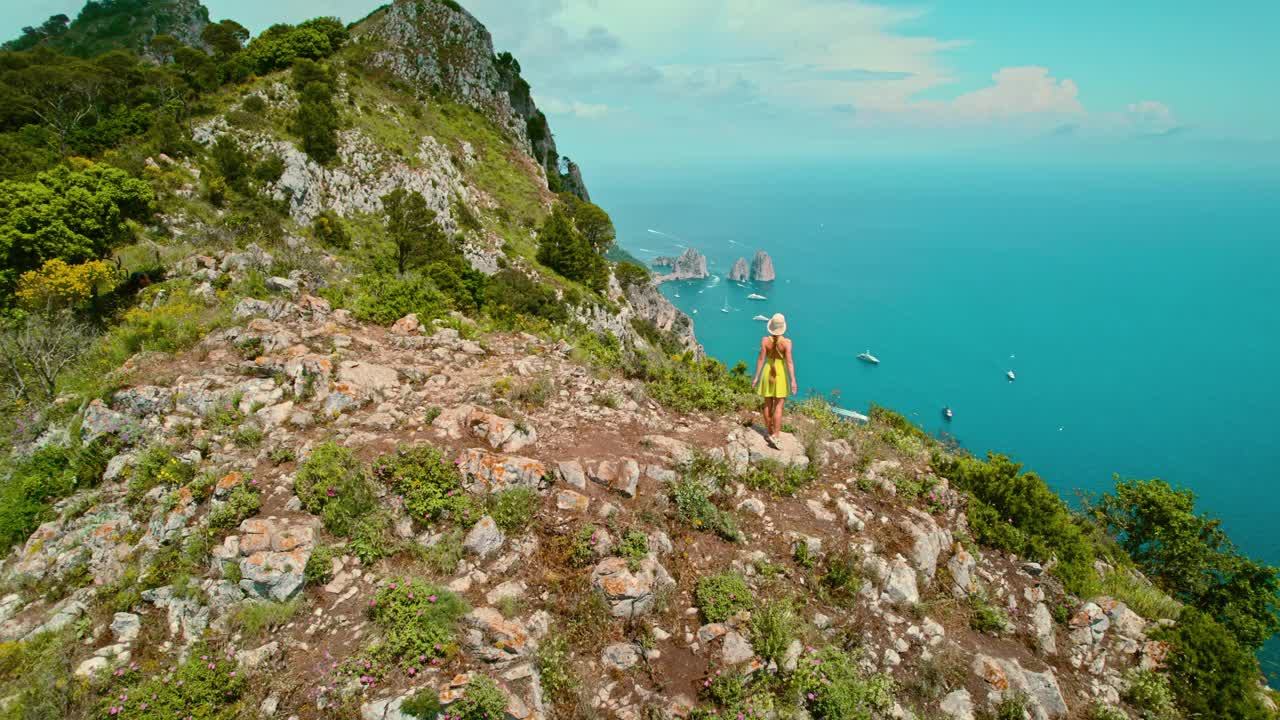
556, 106
1021, 90
1151, 117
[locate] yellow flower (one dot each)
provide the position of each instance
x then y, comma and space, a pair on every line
58, 285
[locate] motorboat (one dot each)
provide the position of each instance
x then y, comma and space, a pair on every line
725, 309
760, 317
868, 358
754, 296
947, 414
1011, 376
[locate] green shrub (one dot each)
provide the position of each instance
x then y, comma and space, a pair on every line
1211, 674
1013, 706
773, 626
694, 506
721, 596
779, 480
383, 299
685, 384
442, 558
1099, 710
555, 669
253, 618
37, 678
1191, 557
841, 579
417, 619
331, 483
49, 474
987, 617
830, 685
206, 686
1149, 693
243, 502
430, 485
371, 538
629, 274
482, 700
582, 551
157, 466
248, 436
634, 546
1017, 512
510, 294
424, 705
319, 568
330, 230
513, 509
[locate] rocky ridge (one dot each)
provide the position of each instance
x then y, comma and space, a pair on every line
607, 466
689, 265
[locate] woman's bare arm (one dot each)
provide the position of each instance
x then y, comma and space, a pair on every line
759, 364
791, 369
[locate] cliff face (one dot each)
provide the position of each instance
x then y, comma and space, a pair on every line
762, 267
740, 272
689, 265
104, 26
439, 47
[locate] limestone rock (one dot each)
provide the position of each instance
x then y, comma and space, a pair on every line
367, 380
489, 472
957, 705
492, 638
735, 649
630, 593
740, 272
690, 265
485, 538
620, 656
273, 556
762, 267
572, 473
622, 476
500, 433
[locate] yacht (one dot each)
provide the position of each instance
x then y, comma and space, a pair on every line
867, 357
754, 296
1011, 376
947, 414
725, 309
760, 317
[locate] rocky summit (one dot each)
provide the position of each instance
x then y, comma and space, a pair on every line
332, 402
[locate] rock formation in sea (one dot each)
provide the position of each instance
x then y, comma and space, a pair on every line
690, 265
762, 267
740, 272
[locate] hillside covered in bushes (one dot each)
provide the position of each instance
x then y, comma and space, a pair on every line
327, 394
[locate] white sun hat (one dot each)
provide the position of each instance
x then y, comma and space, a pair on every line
778, 324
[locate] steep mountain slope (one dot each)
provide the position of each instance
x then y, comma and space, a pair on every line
107, 25
372, 430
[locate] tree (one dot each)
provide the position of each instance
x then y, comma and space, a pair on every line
316, 122
76, 215
35, 351
1191, 557
416, 238
594, 224
231, 160
1212, 675
563, 249
225, 38
63, 95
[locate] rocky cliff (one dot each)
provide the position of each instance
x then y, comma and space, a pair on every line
740, 272
439, 47
689, 265
104, 26
762, 267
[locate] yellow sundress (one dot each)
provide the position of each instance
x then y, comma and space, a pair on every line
773, 379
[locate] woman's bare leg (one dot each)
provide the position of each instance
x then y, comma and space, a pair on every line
777, 416
767, 411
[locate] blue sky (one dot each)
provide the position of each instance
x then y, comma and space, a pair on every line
1085, 80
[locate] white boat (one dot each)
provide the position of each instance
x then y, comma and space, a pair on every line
760, 317
677, 294
726, 309
850, 415
695, 312
867, 357
754, 296
947, 414
1011, 376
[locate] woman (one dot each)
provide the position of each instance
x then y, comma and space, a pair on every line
773, 386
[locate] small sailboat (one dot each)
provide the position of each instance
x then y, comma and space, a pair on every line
868, 358
947, 414
761, 317
754, 296
1011, 376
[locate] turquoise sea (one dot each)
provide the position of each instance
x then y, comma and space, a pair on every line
1138, 308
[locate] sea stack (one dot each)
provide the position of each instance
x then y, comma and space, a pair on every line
762, 267
691, 265
740, 272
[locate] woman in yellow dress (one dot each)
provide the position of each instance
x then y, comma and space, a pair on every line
776, 363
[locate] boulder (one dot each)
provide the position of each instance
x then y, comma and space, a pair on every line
957, 705
367, 380
734, 649
789, 451
500, 433
1042, 624
678, 450
630, 593
962, 566
620, 656
622, 476
492, 638
572, 473
489, 472
273, 554
572, 501
101, 420
125, 627
485, 538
